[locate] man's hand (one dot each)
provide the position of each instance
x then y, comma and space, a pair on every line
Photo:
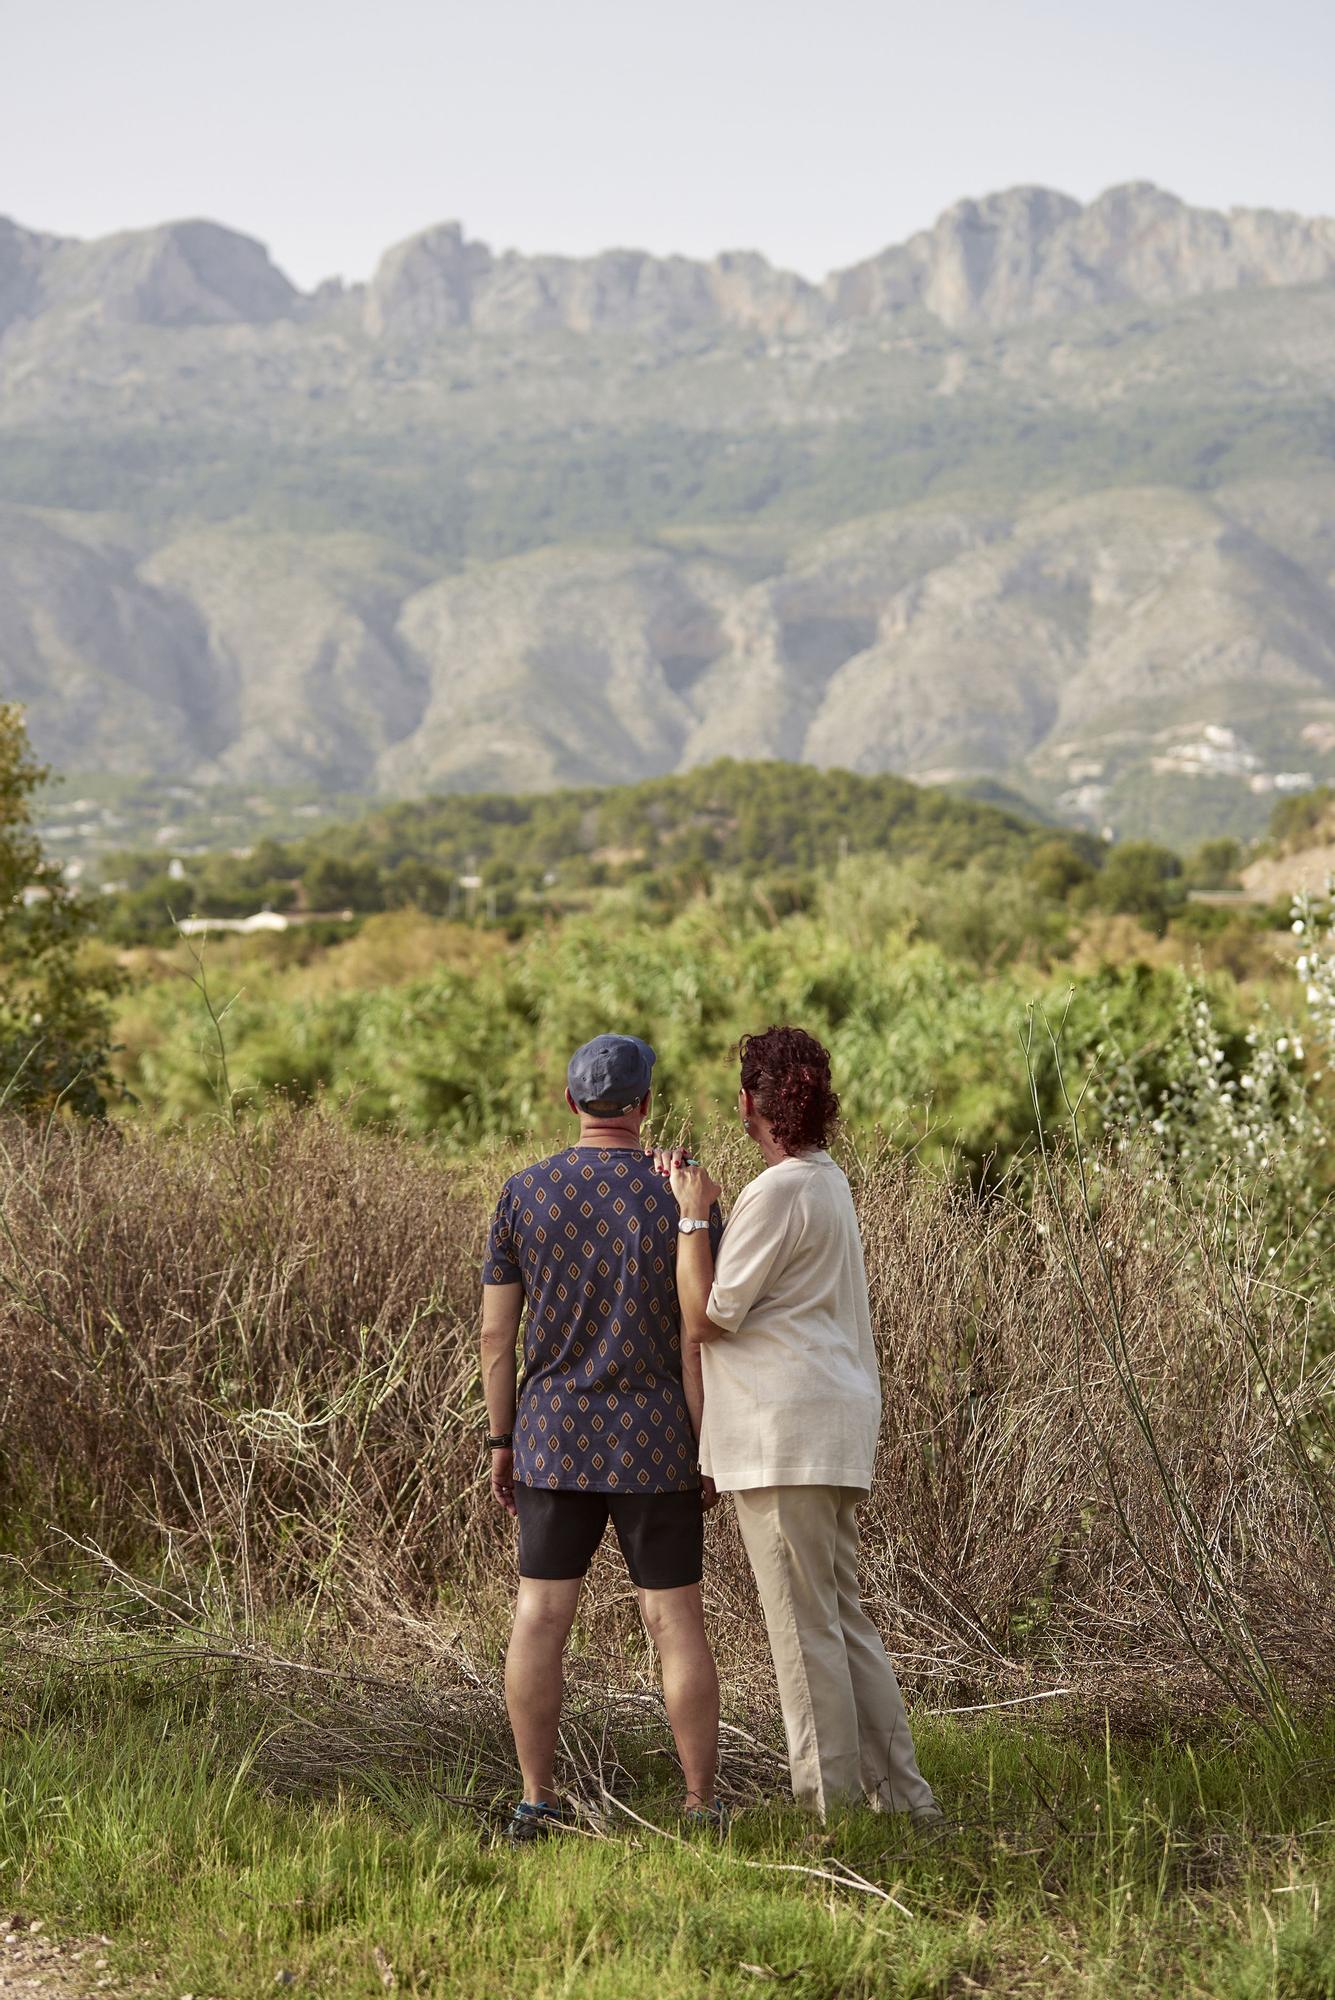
709, 1493
503, 1480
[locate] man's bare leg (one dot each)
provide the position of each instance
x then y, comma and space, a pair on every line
534, 1681
675, 1621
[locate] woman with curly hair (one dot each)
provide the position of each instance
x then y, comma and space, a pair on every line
792, 1407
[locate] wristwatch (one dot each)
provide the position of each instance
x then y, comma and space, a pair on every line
688, 1224
502, 1443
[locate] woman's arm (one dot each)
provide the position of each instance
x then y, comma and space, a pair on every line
696, 1191
695, 1277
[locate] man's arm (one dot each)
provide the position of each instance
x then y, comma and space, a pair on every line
502, 1308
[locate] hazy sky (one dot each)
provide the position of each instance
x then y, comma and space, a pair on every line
815, 130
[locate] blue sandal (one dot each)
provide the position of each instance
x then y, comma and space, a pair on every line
530, 1822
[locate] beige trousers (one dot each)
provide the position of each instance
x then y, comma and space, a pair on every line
843, 1714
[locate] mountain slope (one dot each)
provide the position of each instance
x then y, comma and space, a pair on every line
1045, 495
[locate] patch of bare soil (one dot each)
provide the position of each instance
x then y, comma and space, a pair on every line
1279, 875
56, 1968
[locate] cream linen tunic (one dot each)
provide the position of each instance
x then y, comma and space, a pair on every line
792, 1390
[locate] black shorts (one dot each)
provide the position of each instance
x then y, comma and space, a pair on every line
662, 1535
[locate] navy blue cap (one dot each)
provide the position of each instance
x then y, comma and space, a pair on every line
615, 1069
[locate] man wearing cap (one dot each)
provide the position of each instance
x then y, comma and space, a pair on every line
597, 1425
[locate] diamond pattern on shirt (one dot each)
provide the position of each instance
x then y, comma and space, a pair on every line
602, 1348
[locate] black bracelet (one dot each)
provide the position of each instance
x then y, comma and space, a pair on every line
503, 1443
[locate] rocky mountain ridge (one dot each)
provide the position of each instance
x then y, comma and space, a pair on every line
179, 274
1044, 496
1026, 254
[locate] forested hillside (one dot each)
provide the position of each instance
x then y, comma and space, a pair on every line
529, 854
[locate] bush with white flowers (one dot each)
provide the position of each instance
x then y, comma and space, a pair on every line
1242, 1113
1314, 927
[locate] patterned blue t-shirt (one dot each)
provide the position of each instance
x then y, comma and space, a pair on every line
591, 1234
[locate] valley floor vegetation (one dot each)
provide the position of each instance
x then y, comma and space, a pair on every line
920, 984
443, 956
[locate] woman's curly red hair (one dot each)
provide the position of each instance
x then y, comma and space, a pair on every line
787, 1071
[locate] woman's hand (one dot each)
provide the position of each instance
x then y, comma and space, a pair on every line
695, 1188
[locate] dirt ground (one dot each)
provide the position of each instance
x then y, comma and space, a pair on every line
58, 1968
1280, 875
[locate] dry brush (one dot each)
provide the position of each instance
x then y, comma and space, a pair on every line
240, 1364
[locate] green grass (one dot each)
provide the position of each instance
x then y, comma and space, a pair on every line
152, 1808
